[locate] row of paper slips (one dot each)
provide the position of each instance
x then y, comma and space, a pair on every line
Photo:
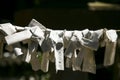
70, 49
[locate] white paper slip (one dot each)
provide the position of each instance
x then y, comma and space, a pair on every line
110, 50
91, 40
68, 62
66, 38
7, 28
35, 62
59, 57
37, 32
33, 22
32, 47
18, 51
58, 46
33, 59
89, 61
17, 48
74, 43
17, 37
19, 28
45, 62
112, 35
28, 57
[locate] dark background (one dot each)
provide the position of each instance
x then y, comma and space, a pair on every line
59, 14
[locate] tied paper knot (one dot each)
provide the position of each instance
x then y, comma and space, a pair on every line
74, 48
